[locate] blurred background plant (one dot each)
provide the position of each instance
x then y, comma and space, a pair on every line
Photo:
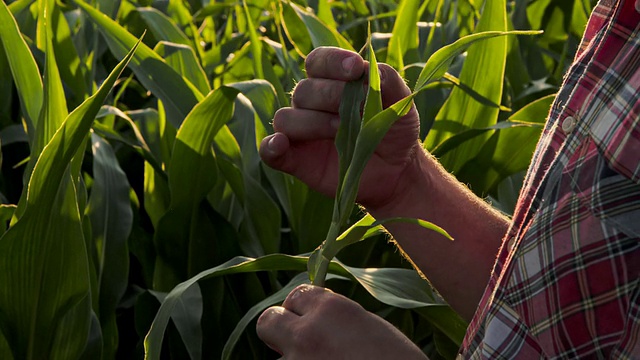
145, 212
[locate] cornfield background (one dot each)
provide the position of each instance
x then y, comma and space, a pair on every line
137, 218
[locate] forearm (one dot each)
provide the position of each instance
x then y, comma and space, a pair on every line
458, 269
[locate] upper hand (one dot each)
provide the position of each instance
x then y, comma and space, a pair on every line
303, 143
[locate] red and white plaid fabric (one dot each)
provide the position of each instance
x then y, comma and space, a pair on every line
566, 281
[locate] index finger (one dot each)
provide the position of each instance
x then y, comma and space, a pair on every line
334, 63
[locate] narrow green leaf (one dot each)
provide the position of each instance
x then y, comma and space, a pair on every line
139, 144
54, 109
325, 15
358, 230
403, 45
6, 213
211, 9
111, 217
275, 298
192, 163
402, 288
365, 226
370, 136
507, 151
43, 255
490, 56
256, 44
263, 217
445, 319
23, 67
183, 60
186, 316
438, 63
162, 27
466, 135
178, 95
349, 127
319, 33
258, 308
373, 104
474, 94
295, 29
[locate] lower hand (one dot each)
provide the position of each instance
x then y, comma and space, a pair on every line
316, 323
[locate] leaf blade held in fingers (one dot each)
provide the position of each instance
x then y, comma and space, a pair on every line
350, 123
370, 136
373, 104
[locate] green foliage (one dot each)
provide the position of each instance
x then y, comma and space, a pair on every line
141, 222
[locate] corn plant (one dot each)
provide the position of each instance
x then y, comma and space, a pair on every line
137, 218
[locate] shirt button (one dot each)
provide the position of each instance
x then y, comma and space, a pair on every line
638, 6
568, 124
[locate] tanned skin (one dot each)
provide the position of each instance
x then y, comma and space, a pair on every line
401, 179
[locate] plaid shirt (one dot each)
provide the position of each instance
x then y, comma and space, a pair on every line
566, 282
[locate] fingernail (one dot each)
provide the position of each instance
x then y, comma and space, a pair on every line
347, 64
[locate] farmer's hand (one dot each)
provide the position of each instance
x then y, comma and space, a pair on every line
315, 323
303, 144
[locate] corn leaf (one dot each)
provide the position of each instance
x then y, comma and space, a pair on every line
436, 66
185, 226
111, 217
373, 103
186, 317
498, 158
462, 108
366, 226
24, 69
255, 43
43, 255
139, 144
6, 213
348, 129
306, 31
403, 45
370, 136
178, 95
258, 308
162, 27
325, 15
183, 60
295, 30
54, 109
261, 212
6, 90
397, 287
